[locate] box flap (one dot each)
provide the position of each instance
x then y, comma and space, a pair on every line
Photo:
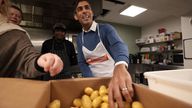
20, 93
68, 89
152, 99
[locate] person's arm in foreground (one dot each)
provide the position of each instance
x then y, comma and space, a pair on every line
50, 63
29, 59
121, 83
120, 86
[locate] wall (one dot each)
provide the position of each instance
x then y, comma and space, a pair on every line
186, 25
128, 34
38, 36
171, 24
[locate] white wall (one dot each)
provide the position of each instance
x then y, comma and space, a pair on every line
171, 24
128, 34
38, 36
186, 25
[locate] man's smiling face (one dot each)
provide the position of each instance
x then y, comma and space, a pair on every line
84, 13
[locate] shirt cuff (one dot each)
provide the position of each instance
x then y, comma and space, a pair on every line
121, 62
37, 66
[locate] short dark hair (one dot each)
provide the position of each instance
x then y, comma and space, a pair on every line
17, 8
77, 2
59, 27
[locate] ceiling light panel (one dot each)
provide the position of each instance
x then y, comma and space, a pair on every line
133, 11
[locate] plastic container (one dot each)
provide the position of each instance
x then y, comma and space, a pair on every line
174, 83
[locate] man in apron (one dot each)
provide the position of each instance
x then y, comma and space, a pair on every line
101, 53
63, 48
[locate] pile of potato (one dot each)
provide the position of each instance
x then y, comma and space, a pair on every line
98, 99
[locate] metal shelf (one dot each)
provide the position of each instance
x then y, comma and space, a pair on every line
142, 44
171, 51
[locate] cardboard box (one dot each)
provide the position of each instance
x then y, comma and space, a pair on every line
19, 93
35, 94
175, 83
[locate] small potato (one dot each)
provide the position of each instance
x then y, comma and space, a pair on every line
55, 104
104, 105
77, 102
94, 94
105, 98
86, 101
97, 102
102, 87
103, 90
88, 90
137, 104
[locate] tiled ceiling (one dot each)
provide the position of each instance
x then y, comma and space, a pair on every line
157, 11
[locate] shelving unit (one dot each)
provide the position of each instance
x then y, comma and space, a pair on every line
163, 43
160, 51
170, 51
149, 44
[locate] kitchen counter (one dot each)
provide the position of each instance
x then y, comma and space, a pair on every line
137, 70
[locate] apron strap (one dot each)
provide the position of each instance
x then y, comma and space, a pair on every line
98, 33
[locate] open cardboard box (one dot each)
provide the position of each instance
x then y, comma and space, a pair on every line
19, 93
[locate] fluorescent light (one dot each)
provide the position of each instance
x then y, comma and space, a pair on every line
133, 11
